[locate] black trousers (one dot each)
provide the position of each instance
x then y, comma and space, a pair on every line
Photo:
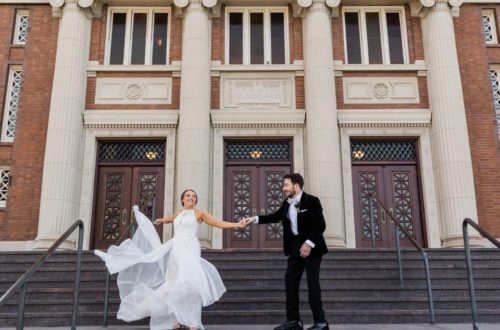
295, 269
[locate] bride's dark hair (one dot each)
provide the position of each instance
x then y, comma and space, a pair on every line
184, 192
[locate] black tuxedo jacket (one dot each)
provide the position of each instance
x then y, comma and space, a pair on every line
310, 224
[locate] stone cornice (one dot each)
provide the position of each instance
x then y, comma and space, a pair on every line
257, 119
125, 119
364, 118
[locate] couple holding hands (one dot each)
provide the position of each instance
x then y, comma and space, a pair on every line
171, 283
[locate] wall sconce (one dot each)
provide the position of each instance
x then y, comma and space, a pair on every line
256, 154
358, 154
151, 155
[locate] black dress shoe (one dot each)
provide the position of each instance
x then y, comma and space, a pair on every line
290, 325
319, 326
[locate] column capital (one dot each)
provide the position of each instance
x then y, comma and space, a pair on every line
421, 8
300, 6
92, 8
213, 6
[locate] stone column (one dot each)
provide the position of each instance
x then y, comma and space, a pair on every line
63, 150
193, 136
323, 174
450, 141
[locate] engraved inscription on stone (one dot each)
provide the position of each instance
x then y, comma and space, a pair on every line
258, 93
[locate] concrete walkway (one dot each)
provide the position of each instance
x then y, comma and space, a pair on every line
270, 327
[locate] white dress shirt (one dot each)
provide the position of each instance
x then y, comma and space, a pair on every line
292, 215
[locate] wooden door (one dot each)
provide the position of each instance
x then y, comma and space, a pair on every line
253, 190
396, 186
119, 188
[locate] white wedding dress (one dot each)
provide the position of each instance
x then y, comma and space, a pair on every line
169, 282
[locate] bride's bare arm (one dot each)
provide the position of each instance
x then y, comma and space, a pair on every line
212, 221
167, 219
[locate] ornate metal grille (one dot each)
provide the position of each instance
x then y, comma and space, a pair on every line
489, 28
259, 150
495, 85
403, 201
274, 199
368, 184
242, 204
132, 152
21, 29
383, 150
12, 105
147, 193
112, 207
4, 185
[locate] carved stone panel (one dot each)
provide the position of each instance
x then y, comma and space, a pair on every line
133, 91
257, 92
380, 90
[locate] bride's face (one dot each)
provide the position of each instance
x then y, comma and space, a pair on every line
189, 200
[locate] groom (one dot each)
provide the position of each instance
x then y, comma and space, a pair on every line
303, 227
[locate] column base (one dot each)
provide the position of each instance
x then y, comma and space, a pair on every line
16, 245
335, 241
45, 242
457, 241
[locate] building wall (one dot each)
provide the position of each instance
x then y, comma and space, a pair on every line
475, 59
19, 220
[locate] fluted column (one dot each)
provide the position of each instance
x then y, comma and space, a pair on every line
193, 154
450, 141
323, 174
63, 150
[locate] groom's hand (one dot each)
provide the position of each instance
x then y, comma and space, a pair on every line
249, 220
305, 250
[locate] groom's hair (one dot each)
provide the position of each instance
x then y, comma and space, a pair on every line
296, 178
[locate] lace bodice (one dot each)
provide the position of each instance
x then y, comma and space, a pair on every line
185, 224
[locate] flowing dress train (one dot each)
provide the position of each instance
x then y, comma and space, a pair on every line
168, 282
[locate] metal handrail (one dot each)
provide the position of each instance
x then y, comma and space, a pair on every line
128, 232
22, 282
468, 260
424, 254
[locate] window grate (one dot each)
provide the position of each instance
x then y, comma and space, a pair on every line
383, 150
489, 27
12, 105
21, 28
132, 152
4, 185
260, 150
495, 85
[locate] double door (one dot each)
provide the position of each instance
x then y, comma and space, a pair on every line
254, 190
395, 186
118, 189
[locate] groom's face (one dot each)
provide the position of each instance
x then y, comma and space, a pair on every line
289, 188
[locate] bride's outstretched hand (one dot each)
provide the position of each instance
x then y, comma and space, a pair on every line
158, 221
242, 223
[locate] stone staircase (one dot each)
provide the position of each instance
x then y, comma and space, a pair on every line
359, 286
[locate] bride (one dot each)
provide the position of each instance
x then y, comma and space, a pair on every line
169, 282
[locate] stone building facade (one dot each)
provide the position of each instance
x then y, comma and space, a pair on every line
112, 103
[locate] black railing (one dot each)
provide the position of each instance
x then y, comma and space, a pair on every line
424, 254
468, 260
22, 282
127, 233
